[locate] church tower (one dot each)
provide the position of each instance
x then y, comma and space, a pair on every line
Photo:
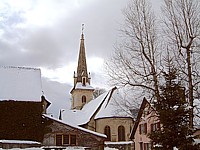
82, 91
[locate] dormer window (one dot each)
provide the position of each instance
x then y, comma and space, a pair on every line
84, 81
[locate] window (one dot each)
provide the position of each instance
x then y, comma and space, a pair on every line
65, 139
143, 128
58, 140
83, 99
147, 146
107, 133
155, 126
141, 146
121, 133
84, 81
73, 139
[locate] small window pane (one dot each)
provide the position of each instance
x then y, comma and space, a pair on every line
73, 139
66, 139
58, 140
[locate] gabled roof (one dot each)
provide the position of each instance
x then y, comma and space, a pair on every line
75, 126
103, 106
142, 107
83, 116
20, 83
112, 106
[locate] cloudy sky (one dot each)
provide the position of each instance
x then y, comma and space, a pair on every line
46, 34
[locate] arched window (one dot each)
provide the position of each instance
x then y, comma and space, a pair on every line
121, 133
107, 132
83, 99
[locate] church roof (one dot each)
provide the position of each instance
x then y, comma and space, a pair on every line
83, 116
113, 107
20, 83
104, 106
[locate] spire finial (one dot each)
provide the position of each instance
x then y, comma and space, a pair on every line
82, 27
82, 35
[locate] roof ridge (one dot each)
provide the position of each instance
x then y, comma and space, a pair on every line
17, 67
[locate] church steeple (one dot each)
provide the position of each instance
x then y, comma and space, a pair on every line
82, 64
82, 92
82, 74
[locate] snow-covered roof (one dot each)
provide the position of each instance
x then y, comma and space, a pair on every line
20, 83
112, 107
106, 104
81, 117
79, 85
19, 142
75, 126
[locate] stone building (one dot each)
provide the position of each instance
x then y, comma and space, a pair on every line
62, 134
102, 114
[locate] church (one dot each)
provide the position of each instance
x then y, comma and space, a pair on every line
102, 114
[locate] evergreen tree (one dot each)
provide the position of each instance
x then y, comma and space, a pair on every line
173, 112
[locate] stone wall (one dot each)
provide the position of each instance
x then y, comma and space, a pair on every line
114, 123
77, 97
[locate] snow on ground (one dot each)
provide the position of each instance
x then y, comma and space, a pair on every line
68, 148
118, 143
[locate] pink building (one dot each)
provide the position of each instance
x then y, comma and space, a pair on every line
147, 121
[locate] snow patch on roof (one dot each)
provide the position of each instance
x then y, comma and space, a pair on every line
108, 104
79, 85
81, 117
18, 142
112, 107
20, 84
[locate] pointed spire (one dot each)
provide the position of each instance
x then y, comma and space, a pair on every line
82, 65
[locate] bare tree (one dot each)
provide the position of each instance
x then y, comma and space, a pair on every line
182, 29
98, 91
135, 61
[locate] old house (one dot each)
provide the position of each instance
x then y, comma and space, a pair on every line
146, 122
22, 104
103, 114
64, 134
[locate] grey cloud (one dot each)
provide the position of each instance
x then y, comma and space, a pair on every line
57, 45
